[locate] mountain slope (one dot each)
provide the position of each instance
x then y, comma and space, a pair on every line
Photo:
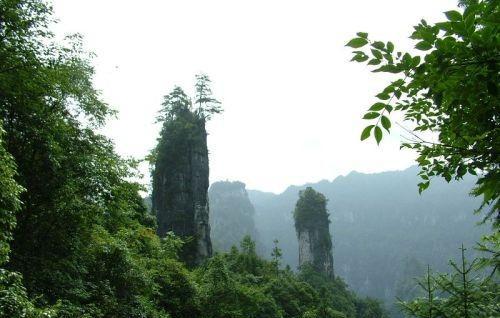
379, 223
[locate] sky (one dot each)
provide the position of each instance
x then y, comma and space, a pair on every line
293, 103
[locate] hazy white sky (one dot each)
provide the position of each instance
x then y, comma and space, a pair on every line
293, 102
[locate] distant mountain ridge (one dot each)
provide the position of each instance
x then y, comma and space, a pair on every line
379, 222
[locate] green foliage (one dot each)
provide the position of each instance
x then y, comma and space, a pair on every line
219, 292
310, 209
82, 241
180, 161
9, 199
323, 312
240, 284
461, 294
72, 177
207, 104
490, 248
334, 293
369, 307
14, 300
276, 255
177, 103
312, 224
448, 92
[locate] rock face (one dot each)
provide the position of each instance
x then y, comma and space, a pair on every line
180, 184
231, 214
312, 227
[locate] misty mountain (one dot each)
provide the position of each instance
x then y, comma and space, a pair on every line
383, 231
231, 215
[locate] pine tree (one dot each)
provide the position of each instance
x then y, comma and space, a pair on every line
207, 104
464, 293
276, 255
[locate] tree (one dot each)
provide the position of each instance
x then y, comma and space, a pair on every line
334, 294
248, 258
276, 255
9, 200
450, 97
405, 288
220, 292
310, 209
207, 104
14, 300
174, 104
449, 94
81, 221
461, 294
203, 106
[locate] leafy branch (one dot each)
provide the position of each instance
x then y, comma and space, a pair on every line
450, 90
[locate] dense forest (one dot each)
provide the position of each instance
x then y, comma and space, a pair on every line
77, 239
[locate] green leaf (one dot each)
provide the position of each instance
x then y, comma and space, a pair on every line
445, 26
357, 42
470, 23
415, 61
377, 106
461, 171
389, 58
453, 15
376, 54
360, 57
383, 96
459, 28
388, 68
371, 115
366, 132
374, 62
362, 35
378, 134
423, 46
447, 176
386, 123
422, 186
379, 45
470, 10
390, 47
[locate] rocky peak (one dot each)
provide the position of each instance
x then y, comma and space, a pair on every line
313, 234
180, 184
231, 214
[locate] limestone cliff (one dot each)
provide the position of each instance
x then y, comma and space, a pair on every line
312, 227
231, 214
180, 183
